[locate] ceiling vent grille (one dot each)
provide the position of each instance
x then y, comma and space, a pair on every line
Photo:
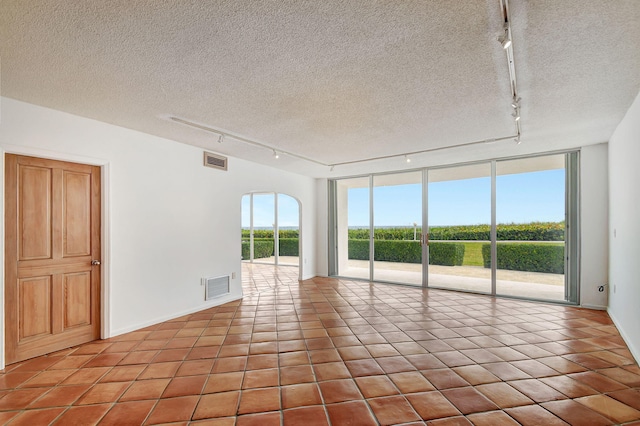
215, 287
215, 161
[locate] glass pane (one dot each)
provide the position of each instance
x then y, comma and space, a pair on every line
397, 218
352, 206
288, 230
459, 213
264, 221
246, 226
530, 217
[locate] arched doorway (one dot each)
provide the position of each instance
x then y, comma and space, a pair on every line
271, 229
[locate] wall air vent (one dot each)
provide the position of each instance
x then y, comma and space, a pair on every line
216, 161
215, 287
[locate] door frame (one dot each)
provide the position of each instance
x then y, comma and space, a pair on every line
105, 234
250, 194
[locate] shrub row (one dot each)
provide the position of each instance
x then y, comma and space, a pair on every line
529, 257
268, 233
536, 231
263, 247
288, 246
450, 254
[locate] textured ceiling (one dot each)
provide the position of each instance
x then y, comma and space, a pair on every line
335, 81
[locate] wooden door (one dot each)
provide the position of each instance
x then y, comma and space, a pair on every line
52, 256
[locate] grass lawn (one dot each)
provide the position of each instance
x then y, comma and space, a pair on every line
473, 254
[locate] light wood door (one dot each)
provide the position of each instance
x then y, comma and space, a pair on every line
52, 237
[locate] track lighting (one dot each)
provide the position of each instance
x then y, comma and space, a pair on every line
331, 169
221, 138
516, 115
504, 39
407, 159
275, 154
516, 102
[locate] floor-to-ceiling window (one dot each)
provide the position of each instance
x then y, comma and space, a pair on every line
397, 227
530, 218
505, 227
459, 215
353, 223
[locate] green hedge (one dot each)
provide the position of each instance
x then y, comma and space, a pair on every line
288, 246
450, 254
536, 231
261, 249
268, 233
530, 257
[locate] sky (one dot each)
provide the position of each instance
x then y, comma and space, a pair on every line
264, 212
520, 198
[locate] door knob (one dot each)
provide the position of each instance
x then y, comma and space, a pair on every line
95, 262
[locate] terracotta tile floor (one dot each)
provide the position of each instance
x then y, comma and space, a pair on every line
328, 351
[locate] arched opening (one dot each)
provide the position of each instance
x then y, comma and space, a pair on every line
271, 232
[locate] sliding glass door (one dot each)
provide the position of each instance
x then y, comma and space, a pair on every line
397, 227
503, 227
353, 225
530, 214
459, 205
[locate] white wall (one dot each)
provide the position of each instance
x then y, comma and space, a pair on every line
624, 228
171, 220
594, 218
322, 228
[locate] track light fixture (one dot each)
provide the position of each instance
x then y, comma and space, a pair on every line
504, 39
331, 169
516, 115
275, 154
407, 159
516, 103
221, 138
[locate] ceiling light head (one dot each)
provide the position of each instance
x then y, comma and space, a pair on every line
517, 139
516, 116
516, 102
505, 41
221, 138
275, 154
331, 169
407, 159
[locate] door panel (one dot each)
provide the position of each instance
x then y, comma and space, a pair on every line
77, 214
52, 231
35, 213
397, 224
459, 196
35, 304
77, 299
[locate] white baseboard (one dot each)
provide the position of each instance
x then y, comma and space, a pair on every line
597, 307
217, 302
634, 351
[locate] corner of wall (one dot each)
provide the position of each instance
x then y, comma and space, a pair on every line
594, 219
